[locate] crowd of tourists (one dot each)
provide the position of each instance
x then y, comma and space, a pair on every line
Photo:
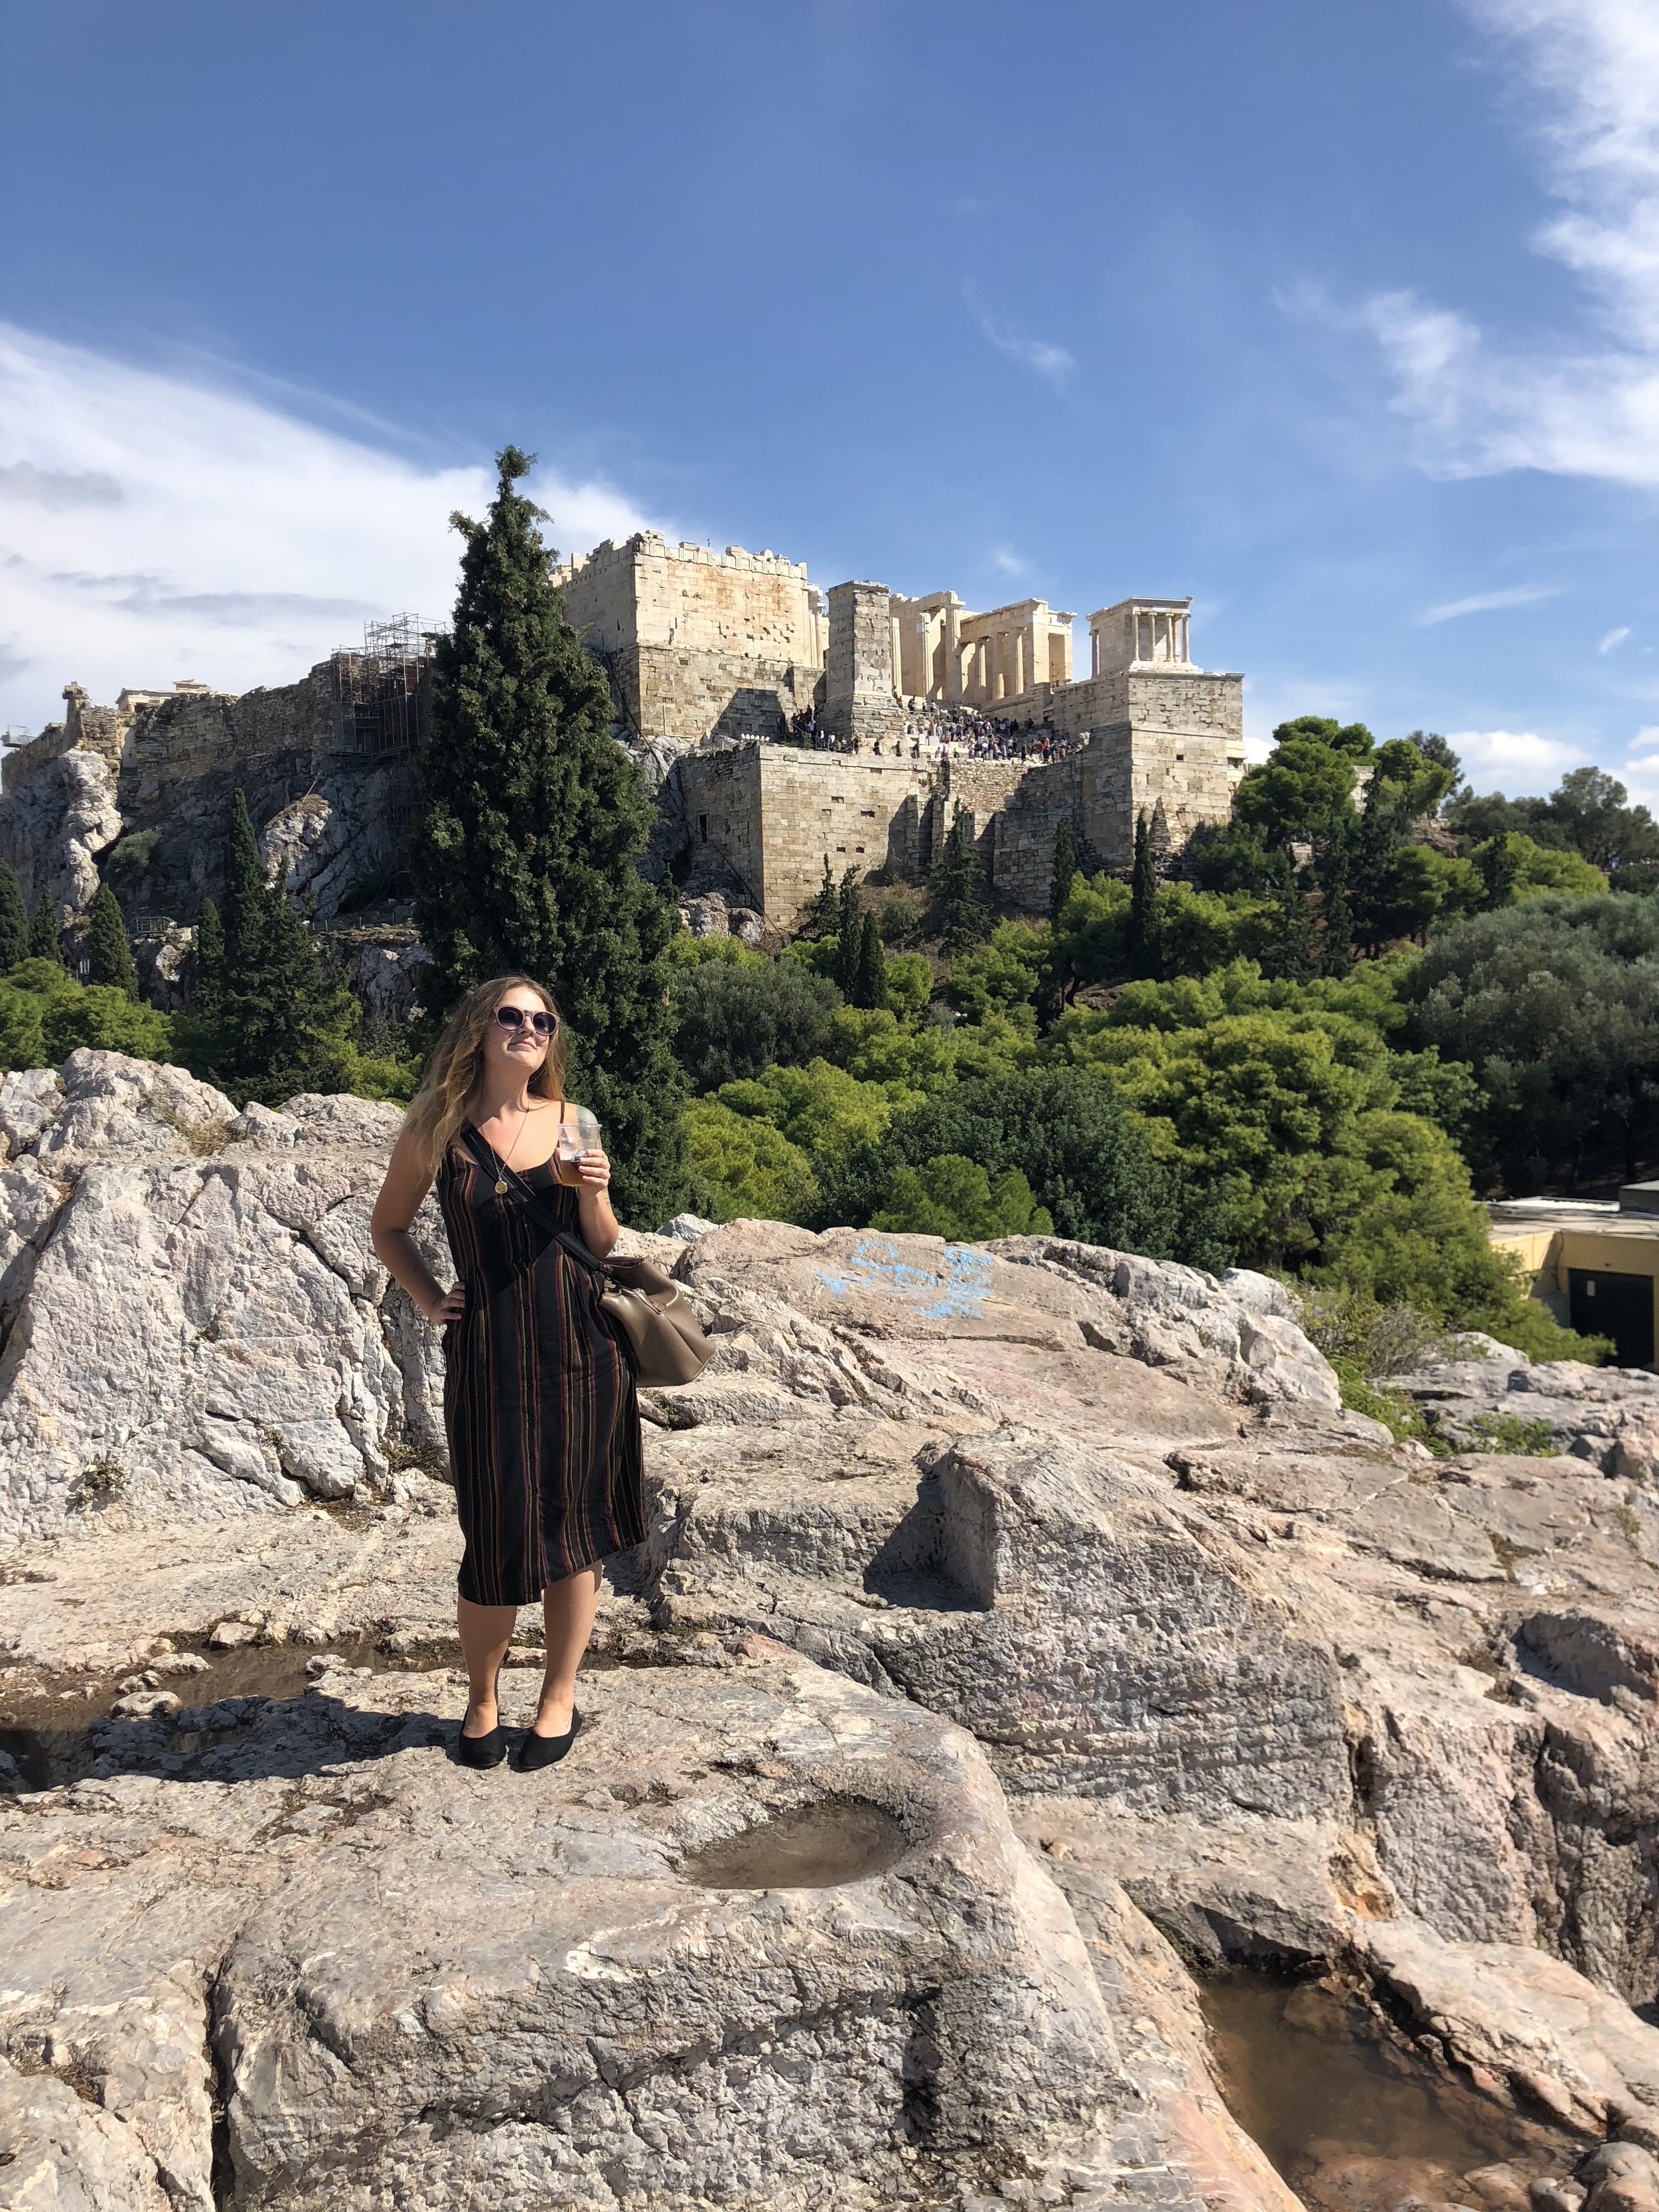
940, 730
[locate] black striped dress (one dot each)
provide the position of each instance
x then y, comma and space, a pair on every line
539, 1397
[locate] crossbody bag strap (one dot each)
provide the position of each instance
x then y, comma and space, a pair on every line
481, 1156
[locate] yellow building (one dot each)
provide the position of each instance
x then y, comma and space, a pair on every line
1592, 1262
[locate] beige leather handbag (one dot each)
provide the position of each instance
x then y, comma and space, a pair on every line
652, 1315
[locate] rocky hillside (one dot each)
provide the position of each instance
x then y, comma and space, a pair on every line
1022, 1630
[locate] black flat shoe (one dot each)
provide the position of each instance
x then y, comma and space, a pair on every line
539, 1751
488, 1750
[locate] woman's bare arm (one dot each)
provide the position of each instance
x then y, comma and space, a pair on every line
408, 1179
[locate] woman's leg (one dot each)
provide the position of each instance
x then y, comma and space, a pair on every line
568, 1608
486, 1632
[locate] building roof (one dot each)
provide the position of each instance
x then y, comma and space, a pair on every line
1605, 1216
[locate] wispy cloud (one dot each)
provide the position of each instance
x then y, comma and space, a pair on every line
1011, 563
1482, 603
1613, 637
1052, 362
155, 526
1516, 760
1639, 772
1522, 762
58, 487
1578, 402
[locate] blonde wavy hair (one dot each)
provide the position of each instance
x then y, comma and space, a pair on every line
449, 1087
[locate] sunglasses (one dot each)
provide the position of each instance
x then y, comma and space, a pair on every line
514, 1017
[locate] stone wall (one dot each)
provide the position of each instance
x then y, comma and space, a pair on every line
697, 643
100, 730
761, 820
1022, 853
772, 813
662, 692
1166, 742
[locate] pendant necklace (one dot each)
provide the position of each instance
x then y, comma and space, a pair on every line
501, 1165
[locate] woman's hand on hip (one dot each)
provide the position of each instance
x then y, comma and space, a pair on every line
594, 1168
449, 1308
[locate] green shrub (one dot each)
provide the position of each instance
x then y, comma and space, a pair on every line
733, 1019
1085, 1161
743, 1167
951, 1197
130, 860
44, 1015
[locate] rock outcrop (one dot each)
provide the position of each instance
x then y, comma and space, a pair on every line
53, 828
1008, 1616
1607, 1415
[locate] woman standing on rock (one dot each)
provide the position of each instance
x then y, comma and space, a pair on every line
538, 1395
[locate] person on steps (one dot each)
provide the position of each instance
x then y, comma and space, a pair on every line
539, 1404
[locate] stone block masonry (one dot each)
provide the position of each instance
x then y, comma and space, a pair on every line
772, 814
860, 703
697, 644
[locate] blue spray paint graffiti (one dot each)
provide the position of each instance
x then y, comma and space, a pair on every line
962, 1284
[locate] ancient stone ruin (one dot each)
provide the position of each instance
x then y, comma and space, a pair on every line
712, 658
1032, 1672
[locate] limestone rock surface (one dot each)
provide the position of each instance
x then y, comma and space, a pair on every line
194, 1318
1607, 1415
405, 1982
1070, 1565
54, 825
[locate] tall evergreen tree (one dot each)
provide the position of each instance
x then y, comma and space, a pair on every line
823, 909
109, 955
267, 1019
1143, 904
1500, 868
962, 900
870, 972
1064, 867
1295, 930
13, 919
243, 910
849, 935
207, 995
532, 823
44, 942
1336, 913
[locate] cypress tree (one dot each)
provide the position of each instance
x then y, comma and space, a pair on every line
1336, 941
1064, 867
962, 903
267, 1019
109, 956
44, 942
849, 935
244, 907
288, 1021
1500, 868
207, 994
870, 977
524, 858
13, 919
1296, 935
823, 909
1143, 904
1336, 938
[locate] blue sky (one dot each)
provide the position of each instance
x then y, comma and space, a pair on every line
1344, 318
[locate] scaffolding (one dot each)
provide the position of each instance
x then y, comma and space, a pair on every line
382, 694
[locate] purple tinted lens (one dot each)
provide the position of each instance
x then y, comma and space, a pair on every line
514, 1018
